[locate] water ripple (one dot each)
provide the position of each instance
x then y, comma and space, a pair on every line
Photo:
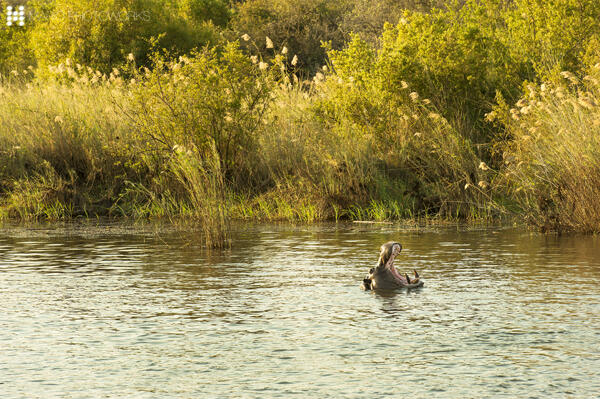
503, 313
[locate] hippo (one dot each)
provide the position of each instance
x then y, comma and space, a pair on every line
384, 276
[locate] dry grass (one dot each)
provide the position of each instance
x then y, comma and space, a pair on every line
553, 160
326, 149
68, 138
67, 149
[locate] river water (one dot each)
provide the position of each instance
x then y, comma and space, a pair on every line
116, 311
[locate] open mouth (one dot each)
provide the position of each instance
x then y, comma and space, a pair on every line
390, 266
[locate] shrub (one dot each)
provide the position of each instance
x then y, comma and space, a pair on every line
210, 98
551, 35
415, 146
100, 34
299, 25
366, 18
456, 59
216, 11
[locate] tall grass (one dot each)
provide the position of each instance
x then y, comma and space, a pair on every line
62, 144
219, 135
214, 136
553, 158
309, 169
69, 146
204, 183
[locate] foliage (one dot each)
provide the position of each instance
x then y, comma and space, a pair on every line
210, 98
366, 18
162, 117
552, 162
216, 11
299, 25
100, 34
420, 153
309, 170
456, 59
302, 26
552, 35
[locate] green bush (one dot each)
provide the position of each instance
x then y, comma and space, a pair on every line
302, 26
366, 18
552, 35
101, 34
414, 146
212, 98
216, 11
464, 56
456, 59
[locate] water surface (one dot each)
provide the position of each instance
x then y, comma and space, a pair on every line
117, 311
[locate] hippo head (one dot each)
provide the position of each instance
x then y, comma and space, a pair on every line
384, 276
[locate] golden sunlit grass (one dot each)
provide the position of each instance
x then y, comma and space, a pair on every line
213, 136
67, 138
84, 143
553, 162
69, 148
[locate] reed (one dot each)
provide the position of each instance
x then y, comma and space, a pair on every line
219, 135
84, 143
60, 144
552, 162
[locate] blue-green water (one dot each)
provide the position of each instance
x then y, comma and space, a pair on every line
120, 312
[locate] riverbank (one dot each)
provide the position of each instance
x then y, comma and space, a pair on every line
383, 133
85, 145
78, 149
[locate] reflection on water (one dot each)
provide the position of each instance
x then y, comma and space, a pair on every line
117, 312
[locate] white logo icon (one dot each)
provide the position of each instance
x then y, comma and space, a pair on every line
15, 15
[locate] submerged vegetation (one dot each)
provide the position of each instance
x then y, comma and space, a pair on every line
215, 111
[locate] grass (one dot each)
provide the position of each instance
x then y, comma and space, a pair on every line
552, 164
275, 147
59, 144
